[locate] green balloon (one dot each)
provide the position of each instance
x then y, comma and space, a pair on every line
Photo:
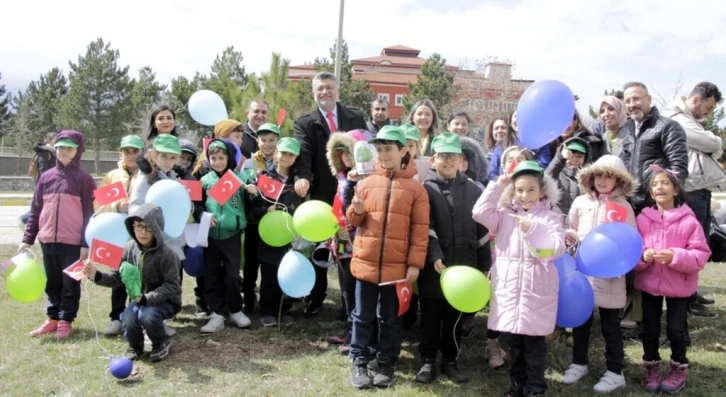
314, 221
276, 228
26, 283
465, 288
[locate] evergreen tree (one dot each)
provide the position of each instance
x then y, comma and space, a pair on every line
434, 83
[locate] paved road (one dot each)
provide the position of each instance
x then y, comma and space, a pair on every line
10, 233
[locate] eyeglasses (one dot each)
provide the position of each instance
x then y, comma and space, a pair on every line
635, 99
141, 228
448, 156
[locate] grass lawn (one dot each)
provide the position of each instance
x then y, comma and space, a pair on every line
294, 361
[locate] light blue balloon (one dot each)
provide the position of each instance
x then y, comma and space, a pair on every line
296, 275
543, 113
174, 201
108, 227
207, 108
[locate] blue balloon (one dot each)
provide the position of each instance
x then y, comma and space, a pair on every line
108, 227
296, 275
576, 299
207, 108
121, 367
194, 262
565, 265
175, 203
610, 250
543, 113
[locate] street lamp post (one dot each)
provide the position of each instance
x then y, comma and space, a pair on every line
339, 45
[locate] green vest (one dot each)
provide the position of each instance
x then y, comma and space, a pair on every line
230, 216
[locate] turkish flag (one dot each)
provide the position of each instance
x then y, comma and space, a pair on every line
338, 211
404, 291
194, 188
615, 212
269, 187
512, 166
225, 187
75, 271
110, 193
281, 116
106, 253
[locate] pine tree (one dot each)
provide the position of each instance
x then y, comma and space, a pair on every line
5, 98
23, 125
434, 83
146, 94
227, 77
46, 95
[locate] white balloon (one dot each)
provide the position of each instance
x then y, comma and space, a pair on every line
207, 107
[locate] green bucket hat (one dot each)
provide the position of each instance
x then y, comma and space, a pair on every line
390, 133
269, 127
577, 147
66, 142
527, 166
289, 145
411, 132
218, 145
132, 141
446, 143
167, 143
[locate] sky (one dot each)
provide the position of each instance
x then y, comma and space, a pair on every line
589, 45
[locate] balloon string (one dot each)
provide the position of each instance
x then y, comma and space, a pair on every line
455, 342
95, 328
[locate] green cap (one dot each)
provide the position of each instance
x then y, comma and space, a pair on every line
66, 142
132, 141
577, 147
218, 144
410, 131
525, 166
446, 143
167, 143
390, 133
269, 127
289, 145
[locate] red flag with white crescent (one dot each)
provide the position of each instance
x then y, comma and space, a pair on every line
106, 253
110, 193
615, 212
269, 187
225, 187
404, 291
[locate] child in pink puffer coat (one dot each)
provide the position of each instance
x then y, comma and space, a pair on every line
525, 284
674, 251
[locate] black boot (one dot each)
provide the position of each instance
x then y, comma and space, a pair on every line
450, 369
703, 300
359, 374
516, 390
386, 373
427, 372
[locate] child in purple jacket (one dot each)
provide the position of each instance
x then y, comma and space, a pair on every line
62, 206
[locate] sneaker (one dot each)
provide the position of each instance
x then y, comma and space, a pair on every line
64, 330
313, 309
169, 330
200, 308
698, 309
159, 352
133, 353
114, 328
240, 320
675, 381
373, 365
609, 382
467, 326
268, 321
515, 390
497, 355
48, 327
703, 300
451, 369
574, 373
344, 350
287, 319
215, 324
338, 339
385, 376
652, 376
427, 372
359, 375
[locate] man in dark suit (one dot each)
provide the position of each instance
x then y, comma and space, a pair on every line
312, 172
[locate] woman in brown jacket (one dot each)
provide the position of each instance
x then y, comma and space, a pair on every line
391, 211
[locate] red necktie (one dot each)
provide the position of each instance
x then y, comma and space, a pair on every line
331, 123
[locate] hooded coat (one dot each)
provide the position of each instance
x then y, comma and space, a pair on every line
478, 164
567, 177
188, 147
158, 264
525, 283
62, 202
591, 210
340, 171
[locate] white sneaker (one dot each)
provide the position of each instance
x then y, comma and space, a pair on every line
609, 382
215, 324
574, 374
240, 320
114, 328
169, 330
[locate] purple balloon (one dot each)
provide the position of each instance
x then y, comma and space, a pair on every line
543, 113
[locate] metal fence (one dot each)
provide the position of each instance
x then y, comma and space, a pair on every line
88, 155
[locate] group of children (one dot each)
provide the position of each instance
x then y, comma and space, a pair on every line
408, 220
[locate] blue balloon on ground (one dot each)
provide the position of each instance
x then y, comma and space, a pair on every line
207, 107
576, 300
296, 275
121, 367
108, 227
543, 113
175, 203
194, 262
610, 250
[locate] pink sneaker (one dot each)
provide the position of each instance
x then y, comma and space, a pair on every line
64, 330
675, 381
49, 326
652, 376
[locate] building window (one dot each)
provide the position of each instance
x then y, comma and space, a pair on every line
399, 99
384, 97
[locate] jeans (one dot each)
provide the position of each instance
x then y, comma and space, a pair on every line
440, 330
676, 327
611, 332
375, 304
529, 362
137, 319
700, 203
252, 263
64, 293
221, 260
347, 286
